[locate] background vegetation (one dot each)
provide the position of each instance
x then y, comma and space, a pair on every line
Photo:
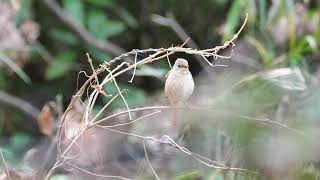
273, 74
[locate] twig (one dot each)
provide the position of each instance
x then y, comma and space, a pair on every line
105, 106
120, 92
177, 28
274, 123
169, 61
134, 70
58, 136
90, 104
171, 22
156, 54
61, 157
5, 166
227, 43
147, 158
93, 71
133, 121
66, 157
183, 149
24, 106
207, 60
268, 121
97, 175
199, 158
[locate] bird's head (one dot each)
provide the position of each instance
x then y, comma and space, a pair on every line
181, 65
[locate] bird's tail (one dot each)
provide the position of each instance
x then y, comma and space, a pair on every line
174, 118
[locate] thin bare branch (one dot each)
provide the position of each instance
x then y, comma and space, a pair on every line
169, 61
97, 175
147, 158
268, 121
133, 121
227, 43
181, 148
93, 71
5, 166
134, 70
151, 55
171, 22
105, 106
120, 92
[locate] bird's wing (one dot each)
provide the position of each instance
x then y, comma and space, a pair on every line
166, 76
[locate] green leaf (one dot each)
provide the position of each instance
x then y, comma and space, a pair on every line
263, 52
295, 58
97, 23
114, 28
64, 36
307, 44
61, 65
102, 3
19, 141
127, 17
309, 172
134, 96
24, 11
232, 19
188, 176
101, 27
99, 55
262, 12
2, 79
75, 9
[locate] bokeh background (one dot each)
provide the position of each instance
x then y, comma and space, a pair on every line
273, 75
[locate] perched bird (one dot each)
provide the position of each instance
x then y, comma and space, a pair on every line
179, 86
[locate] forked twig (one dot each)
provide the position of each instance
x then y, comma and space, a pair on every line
151, 56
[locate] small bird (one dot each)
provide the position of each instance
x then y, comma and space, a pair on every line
179, 86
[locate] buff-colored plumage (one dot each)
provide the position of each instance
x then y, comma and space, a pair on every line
179, 85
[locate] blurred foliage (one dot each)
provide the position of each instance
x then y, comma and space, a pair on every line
285, 35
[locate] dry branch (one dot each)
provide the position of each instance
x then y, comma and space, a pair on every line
150, 55
171, 22
96, 175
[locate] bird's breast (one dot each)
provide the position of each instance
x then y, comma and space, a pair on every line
179, 86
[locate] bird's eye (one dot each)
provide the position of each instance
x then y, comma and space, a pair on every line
179, 66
